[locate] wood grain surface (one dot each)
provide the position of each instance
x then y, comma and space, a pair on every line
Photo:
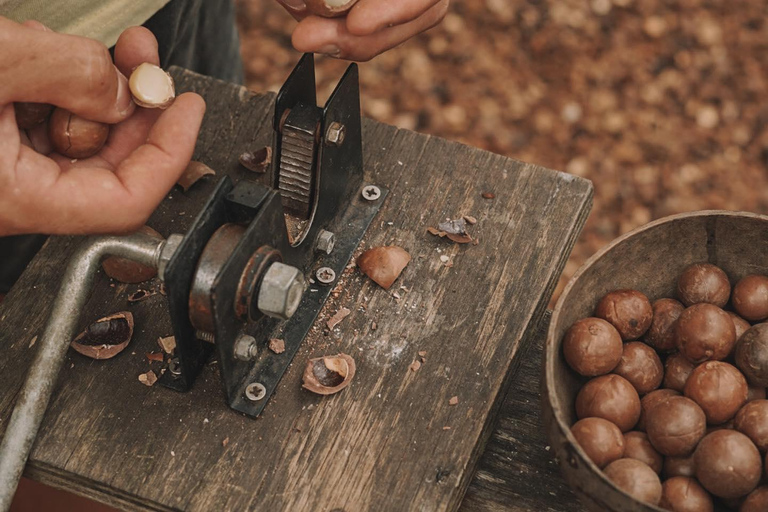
391, 441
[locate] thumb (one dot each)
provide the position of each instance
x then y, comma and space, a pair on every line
75, 73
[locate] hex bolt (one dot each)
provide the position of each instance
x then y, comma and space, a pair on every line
246, 348
325, 275
255, 391
326, 240
371, 192
335, 134
166, 253
281, 290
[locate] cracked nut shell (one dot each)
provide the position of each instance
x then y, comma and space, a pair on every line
629, 311
74, 136
703, 283
329, 374
592, 347
29, 115
106, 337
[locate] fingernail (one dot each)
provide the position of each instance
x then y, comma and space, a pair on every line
331, 50
124, 98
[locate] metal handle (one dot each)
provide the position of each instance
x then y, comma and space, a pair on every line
36, 392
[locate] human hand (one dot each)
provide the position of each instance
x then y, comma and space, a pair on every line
371, 27
147, 150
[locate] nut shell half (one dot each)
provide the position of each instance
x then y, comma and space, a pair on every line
384, 264
106, 337
329, 374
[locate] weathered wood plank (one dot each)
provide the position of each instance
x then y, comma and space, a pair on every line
381, 444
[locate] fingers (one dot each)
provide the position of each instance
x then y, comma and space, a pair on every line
332, 36
135, 46
72, 72
370, 16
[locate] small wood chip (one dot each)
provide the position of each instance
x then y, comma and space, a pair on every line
415, 366
374, 326
225, 442
148, 379
277, 345
140, 295
488, 195
459, 239
32, 342
168, 344
423, 353
470, 219
453, 401
337, 318
155, 356
193, 173
257, 161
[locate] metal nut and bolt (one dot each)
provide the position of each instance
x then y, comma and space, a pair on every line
255, 391
325, 275
326, 240
166, 252
246, 348
281, 290
371, 192
335, 134
205, 336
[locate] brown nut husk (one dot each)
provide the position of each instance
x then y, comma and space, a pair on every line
600, 439
752, 355
703, 283
675, 426
704, 332
610, 397
684, 494
636, 479
592, 347
651, 400
756, 501
384, 264
750, 298
752, 421
329, 8
106, 337
677, 370
728, 464
641, 366
328, 374
74, 136
637, 446
719, 389
29, 115
193, 173
128, 271
151, 86
629, 311
661, 334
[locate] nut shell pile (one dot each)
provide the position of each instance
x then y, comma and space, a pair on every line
672, 408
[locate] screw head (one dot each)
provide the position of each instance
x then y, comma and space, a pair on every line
281, 290
335, 134
255, 391
246, 348
326, 240
325, 275
371, 192
173, 367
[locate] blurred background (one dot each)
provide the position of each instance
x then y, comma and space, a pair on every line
662, 104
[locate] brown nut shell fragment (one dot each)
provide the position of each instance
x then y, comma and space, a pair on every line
684, 494
703, 283
610, 397
151, 86
74, 136
728, 464
651, 400
29, 115
329, 8
629, 311
637, 446
128, 271
383, 264
719, 389
705, 332
641, 366
592, 347
750, 298
675, 426
752, 421
756, 501
661, 333
677, 371
106, 337
194, 171
329, 374
752, 355
636, 479
600, 439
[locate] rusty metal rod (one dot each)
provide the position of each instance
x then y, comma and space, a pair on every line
36, 392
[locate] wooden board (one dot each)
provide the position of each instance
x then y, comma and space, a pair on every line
390, 441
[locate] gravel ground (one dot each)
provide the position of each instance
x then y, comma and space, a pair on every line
662, 104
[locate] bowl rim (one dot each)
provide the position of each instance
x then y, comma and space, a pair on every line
551, 344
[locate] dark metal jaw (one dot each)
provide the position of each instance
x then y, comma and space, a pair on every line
317, 178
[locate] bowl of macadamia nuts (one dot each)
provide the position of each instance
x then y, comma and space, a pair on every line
656, 368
